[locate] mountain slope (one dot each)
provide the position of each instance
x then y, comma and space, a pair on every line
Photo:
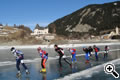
91, 20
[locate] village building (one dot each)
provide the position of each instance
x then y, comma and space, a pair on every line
42, 33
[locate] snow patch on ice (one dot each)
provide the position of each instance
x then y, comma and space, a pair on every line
88, 72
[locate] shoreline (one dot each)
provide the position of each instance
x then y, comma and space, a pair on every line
60, 45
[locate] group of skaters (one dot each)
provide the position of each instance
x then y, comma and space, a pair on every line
44, 56
89, 51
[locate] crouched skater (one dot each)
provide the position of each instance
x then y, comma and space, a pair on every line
44, 56
19, 60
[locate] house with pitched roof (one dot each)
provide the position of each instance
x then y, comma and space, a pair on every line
42, 33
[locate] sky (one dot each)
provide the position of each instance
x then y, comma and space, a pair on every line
42, 12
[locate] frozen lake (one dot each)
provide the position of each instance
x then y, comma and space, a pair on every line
79, 71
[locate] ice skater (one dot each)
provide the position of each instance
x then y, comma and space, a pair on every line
44, 57
86, 54
90, 50
106, 52
61, 54
73, 53
19, 60
96, 49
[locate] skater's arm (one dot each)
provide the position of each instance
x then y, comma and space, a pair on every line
41, 54
72, 52
60, 48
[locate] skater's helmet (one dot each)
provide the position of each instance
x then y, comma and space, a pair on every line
94, 46
39, 48
12, 49
55, 46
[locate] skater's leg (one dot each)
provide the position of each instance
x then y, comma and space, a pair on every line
44, 61
18, 68
18, 65
96, 56
43, 65
23, 64
74, 57
90, 53
60, 61
104, 55
87, 58
67, 61
25, 67
107, 55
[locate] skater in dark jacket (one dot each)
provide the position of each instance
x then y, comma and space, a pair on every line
61, 54
106, 52
90, 50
